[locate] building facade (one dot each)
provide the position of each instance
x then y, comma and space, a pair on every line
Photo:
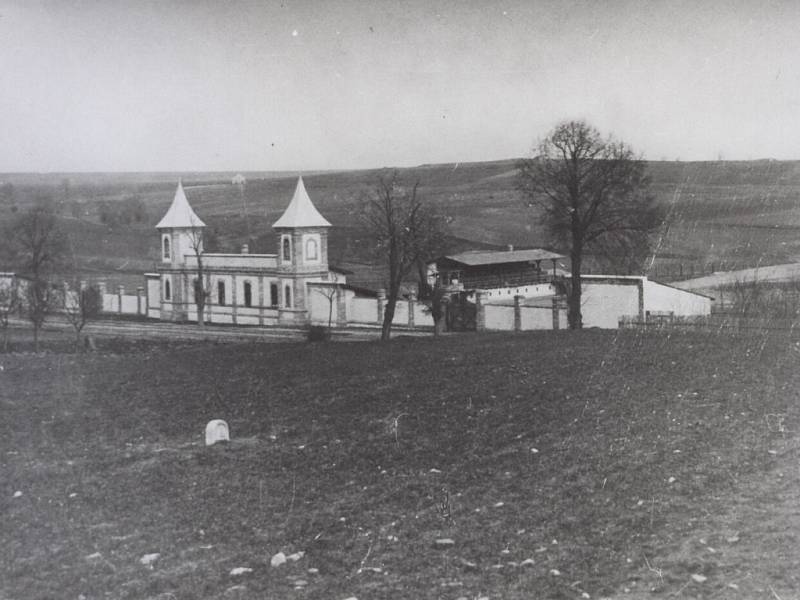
244, 288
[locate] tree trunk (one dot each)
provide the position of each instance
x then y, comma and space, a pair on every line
388, 317
574, 315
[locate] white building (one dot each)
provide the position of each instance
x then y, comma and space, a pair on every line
253, 289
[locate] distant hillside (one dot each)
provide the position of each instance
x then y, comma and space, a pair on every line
720, 215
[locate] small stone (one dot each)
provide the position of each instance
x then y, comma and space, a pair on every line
468, 565
733, 586
512, 563
499, 504
149, 559
73, 494
505, 551
313, 571
555, 572
235, 589
671, 480
434, 471
17, 494
699, 578
444, 543
299, 583
535, 450
585, 595
94, 556
733, 539
296, 556
278, 559
497, 566
241, 571
528, 562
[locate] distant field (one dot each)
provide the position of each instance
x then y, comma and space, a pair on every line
562, 465
721, 215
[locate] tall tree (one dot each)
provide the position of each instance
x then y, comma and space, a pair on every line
41, 248
404, 230
592, 193
196, 238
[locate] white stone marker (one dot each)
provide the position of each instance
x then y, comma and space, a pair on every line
217, 431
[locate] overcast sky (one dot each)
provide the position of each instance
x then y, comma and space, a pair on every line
129, 86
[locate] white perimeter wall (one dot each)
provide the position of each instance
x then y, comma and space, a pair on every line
663, 298
602, 304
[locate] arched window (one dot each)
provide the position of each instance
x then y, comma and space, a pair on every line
248, 294
311, 249
166, 247
221, 293
287, 296
167, 293
287, 249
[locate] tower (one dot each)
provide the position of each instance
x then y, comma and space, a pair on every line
181, 234
302, 253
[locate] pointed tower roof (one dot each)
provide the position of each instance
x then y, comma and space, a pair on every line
301, 212
180, 214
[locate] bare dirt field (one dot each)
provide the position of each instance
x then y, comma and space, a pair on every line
558, 464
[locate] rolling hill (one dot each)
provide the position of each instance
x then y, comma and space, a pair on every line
720, 215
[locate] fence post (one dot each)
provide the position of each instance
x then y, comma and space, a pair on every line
556, 320
381, 304
411, 302
517, 313
120, 293
141, 308
480, 311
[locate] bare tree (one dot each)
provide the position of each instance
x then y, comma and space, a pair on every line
198, 285
592, 192
405, 231
40, 247
81, 305
9, 302
330, 293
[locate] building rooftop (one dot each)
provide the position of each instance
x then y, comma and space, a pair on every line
474, 258
180, 214
301, 212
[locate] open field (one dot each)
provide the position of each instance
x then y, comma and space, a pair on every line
720, 215
622, 465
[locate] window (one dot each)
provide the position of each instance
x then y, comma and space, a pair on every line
287, 248
273, 294
248, 294
166, 247
311, 249
221, 293
167, 292
287, 296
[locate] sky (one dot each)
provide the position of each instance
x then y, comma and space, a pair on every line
127, 85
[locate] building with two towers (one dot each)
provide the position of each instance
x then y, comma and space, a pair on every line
244, 288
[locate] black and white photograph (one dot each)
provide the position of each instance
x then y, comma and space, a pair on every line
399, 300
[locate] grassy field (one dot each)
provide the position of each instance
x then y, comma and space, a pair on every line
560, 464
720, 215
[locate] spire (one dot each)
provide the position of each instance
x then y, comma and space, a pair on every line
301, 212
180, 214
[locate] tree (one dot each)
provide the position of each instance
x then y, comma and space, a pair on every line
40, 248
82, 305
404, 230
9, 302
198, 285
592, 192
330, 293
